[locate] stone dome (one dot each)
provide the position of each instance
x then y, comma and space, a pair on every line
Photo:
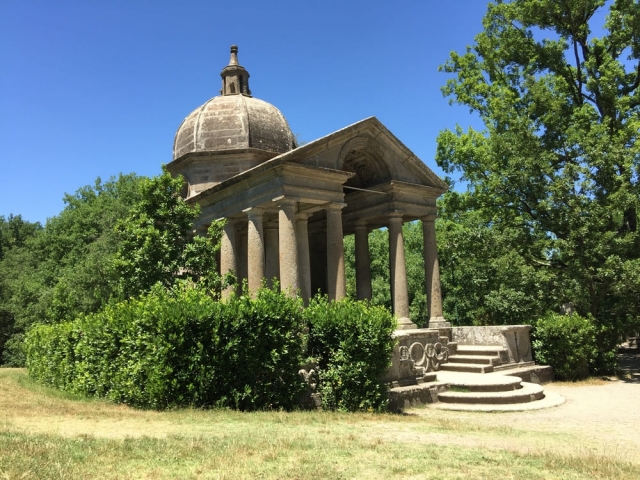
234, 120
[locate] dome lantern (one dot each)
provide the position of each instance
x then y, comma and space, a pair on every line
235, 78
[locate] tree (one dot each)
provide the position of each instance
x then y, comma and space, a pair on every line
14, 232
54, 273
558, 163
156, 241
485, 278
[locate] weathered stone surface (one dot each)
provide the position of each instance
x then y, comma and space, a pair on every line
411, 360
515, 338
238, 157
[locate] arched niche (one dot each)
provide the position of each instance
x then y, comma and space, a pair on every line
361, 155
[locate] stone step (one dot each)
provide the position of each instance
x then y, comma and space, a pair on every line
530, 392
489, 350
474, 382
482, 359
510, 366
401, 398
466, 367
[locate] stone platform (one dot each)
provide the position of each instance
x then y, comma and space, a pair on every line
449, 368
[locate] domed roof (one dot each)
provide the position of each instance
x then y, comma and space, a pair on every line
233, 120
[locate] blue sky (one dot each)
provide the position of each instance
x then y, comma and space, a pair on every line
92, 89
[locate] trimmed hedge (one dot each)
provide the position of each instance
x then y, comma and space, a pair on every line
567, 343
178, 347
352, 343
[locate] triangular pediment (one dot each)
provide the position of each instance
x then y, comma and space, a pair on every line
368, 149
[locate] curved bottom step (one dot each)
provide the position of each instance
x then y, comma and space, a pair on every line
549, 400
530, 392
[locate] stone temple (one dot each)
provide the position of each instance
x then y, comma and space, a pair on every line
288, 207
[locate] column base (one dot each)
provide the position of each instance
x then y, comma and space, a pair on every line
438, 322
405, 323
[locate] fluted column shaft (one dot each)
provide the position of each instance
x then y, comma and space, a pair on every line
302, 239
432, 270
335, 253
398, 268
228, 254
255, 250
363, 262
288, 248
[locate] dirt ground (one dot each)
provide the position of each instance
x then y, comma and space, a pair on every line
600, 416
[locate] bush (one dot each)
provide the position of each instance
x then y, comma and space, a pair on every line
178, 347
352, 342
567, 343
258, 353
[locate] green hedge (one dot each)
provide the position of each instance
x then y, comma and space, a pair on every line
567, 343
178, 348
352, 343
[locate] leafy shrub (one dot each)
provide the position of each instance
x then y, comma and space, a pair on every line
567, 343
178, 347
259, 350
353, 345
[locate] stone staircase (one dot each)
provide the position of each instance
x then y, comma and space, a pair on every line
493, 392
471, 376
479, 359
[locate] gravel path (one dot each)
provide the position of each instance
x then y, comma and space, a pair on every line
601, 416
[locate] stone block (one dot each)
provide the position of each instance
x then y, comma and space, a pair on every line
514, 338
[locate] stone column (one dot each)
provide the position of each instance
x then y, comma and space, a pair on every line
335, 253
255, 250
363, 262
302, 238
228, 254
272, 261
432, 273
398, 268
288, 248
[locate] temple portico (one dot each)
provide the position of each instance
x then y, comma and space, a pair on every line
287, 207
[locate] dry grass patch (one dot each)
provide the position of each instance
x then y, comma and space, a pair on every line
46, 434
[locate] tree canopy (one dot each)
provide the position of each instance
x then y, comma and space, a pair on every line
156, 242
113, 239
557, 166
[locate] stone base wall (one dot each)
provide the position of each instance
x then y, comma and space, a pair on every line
515, 338
417, 352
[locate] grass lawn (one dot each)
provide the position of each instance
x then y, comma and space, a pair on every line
48, 434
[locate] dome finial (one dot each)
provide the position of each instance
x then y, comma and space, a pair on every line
235, 79
234, 55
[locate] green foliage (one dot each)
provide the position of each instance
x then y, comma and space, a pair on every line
178, 347
58, 272
155, 241
353, 345
486, 279
557, 166
567, 343
380, 276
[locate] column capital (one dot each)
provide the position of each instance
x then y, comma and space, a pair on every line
429, 218
361, 225
253, 211
335, 206
303, 215
229, 220
394, 215
282, 201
